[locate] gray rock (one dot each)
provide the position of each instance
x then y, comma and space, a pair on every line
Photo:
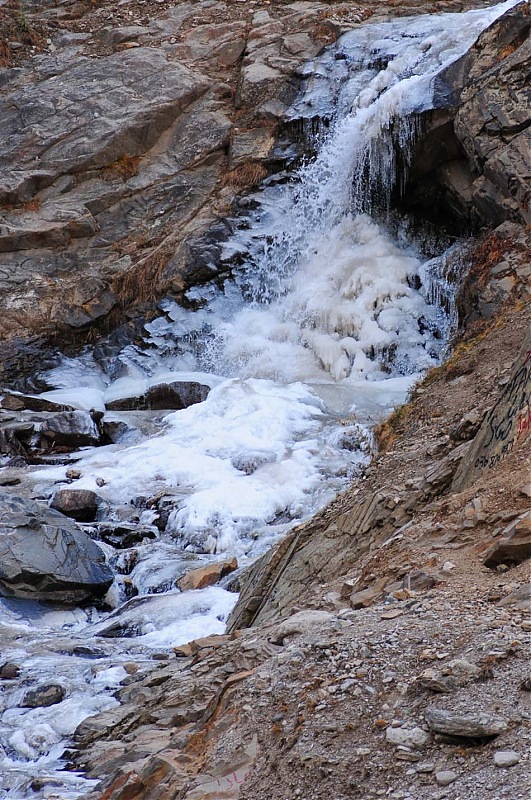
44, 555
80, 504
301, 623
503, 428
426, 766
71, 429
506, 758
409, 737
445, 777
9, 477
492, 121
43, 696
515, 545
473, 726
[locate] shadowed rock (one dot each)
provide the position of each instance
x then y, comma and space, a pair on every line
43, 555
165, 396
71, 429
80, 504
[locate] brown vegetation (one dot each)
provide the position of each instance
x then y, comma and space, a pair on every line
124, 168
245, 175
142, 282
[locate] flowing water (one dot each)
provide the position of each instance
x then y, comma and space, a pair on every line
328, 320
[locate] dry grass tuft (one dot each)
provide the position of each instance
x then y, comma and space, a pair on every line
484, 255
324, 33
389, 431
245, 175
141, 283
124, 168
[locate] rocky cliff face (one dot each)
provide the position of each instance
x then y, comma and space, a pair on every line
128, 132
131, 129
472, 163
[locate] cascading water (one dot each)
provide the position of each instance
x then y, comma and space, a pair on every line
322, 331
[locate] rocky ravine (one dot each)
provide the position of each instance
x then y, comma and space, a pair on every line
389, 649
389, 639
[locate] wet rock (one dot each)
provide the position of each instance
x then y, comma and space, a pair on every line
71, 429
124, 535
506, 758
80, 504
15, 439
207, 575
44, 555
43, 696
473, 726
165, 396
115, 430
9, 671
515, 545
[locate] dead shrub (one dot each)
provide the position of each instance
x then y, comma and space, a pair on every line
324, 33
140, 284
123, 168
249, 174
389, 431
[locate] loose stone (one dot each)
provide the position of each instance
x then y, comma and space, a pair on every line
445, 777
43, 696
506, 758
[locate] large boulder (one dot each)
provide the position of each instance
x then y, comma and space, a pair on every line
163, 396
71, 429
45, 556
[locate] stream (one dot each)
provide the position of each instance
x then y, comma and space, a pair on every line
332, 313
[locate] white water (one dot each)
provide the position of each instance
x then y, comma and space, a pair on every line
316, 338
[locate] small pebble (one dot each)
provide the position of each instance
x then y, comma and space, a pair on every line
506, 758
